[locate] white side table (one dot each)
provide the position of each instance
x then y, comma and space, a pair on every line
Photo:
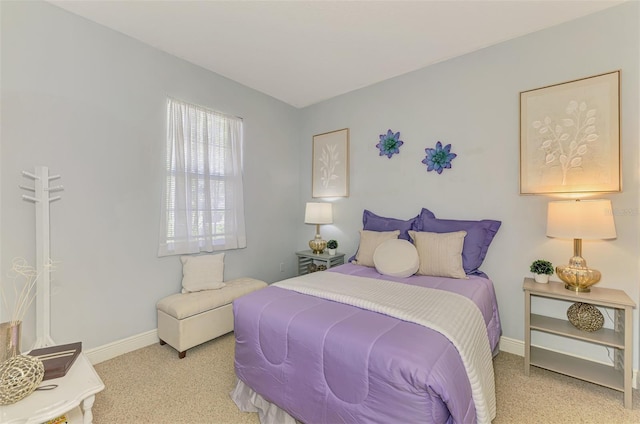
77, 388
620, 338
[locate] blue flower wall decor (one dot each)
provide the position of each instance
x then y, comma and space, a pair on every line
389, 143
439, 158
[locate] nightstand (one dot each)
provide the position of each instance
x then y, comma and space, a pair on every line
620, 338
307, 257
74, 397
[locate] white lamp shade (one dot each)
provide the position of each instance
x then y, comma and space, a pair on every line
318, 213
581, 219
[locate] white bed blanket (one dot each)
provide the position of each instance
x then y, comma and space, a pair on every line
432, 308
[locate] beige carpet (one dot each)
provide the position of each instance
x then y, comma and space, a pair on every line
151, 385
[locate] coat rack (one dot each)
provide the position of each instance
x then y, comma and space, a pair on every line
42, 199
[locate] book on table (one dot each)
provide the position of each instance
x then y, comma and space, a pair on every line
57, 359
62, 419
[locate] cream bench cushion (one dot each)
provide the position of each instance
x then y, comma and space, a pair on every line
186, 320
184, 305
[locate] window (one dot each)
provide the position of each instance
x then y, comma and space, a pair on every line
203, 208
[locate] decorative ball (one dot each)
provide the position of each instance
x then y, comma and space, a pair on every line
585, 317
19, 377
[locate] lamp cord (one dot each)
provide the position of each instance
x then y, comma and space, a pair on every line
609, 352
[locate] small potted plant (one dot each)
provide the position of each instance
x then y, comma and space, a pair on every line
332, 245
542, 270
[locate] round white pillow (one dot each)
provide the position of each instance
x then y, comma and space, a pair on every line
396, 258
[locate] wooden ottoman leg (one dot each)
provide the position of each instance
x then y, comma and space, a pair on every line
162, 342
182, 354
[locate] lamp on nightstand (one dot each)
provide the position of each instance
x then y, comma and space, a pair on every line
577, 220
318, 213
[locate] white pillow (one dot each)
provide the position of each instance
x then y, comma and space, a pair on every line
369, 240
396, 258
204, 272
440, 253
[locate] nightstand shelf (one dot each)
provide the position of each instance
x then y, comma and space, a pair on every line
583, 369
617, 376
307, 257
604, 336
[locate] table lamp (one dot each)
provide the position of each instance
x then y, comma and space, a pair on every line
577, 220
318, 213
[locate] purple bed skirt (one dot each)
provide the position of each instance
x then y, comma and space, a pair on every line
326, 362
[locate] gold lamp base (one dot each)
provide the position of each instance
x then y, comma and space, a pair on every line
317, 244
577, 276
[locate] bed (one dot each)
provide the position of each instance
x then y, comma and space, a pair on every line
313, 349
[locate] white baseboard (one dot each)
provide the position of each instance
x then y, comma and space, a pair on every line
516, 347
120, 347
513, 346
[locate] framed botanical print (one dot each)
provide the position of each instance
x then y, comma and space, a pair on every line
570, 137
330, 164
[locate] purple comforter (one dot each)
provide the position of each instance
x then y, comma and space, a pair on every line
326, 362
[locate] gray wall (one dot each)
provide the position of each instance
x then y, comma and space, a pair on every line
472, 102
89, 103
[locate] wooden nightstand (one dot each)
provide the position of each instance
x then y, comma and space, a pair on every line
620, 338
307, 257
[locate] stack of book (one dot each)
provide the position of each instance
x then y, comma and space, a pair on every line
62, 419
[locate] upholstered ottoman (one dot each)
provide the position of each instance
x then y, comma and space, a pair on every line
186, 320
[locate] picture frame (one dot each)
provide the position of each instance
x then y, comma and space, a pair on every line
330, 164
570, 137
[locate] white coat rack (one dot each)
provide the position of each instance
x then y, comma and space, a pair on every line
42, 199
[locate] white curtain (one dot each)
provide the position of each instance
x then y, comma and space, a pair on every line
203, 208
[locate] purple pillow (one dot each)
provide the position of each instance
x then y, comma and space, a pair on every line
373, 222
479, 236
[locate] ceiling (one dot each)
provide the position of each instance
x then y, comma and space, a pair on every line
303, 52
